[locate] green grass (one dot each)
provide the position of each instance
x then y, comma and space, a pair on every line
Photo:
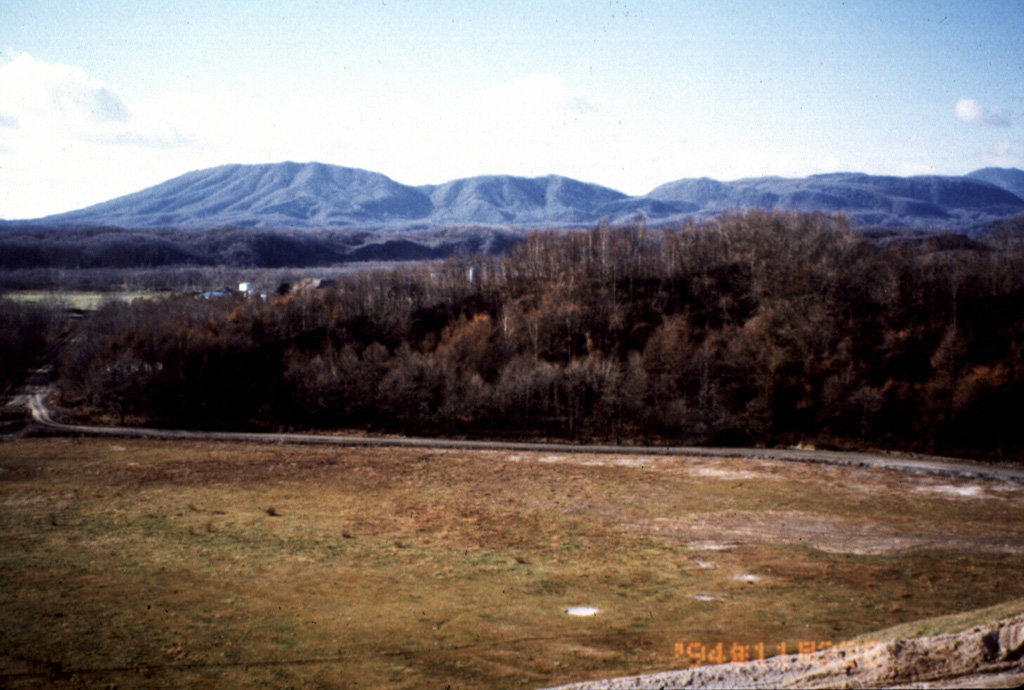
159, 564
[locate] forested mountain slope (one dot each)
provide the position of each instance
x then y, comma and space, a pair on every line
320, 196
756, 328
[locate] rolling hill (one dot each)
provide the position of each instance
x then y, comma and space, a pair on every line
1010, 179
933, 202
320, 196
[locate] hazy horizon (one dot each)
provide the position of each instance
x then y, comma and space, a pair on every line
103, 100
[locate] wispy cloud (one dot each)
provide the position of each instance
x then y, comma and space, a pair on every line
34, 90
970, 111
63, 129
64, 101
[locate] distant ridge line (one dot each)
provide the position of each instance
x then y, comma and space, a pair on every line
322, 196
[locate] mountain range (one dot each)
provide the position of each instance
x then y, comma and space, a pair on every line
320, 196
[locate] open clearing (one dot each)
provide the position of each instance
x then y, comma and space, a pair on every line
86, 300
158, 563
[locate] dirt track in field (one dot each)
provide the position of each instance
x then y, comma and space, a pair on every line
37, 390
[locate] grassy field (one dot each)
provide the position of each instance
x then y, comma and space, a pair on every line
145, 563
85, 301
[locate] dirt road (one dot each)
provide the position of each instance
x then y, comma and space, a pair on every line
38, 390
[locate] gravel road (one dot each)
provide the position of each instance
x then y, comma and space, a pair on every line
36, 394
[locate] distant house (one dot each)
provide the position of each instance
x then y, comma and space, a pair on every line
219, 292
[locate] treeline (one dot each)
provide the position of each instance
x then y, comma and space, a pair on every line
756, 328
34, 248
28, 334
180, 279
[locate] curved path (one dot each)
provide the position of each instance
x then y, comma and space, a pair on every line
36, 396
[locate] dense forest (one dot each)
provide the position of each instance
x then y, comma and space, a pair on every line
27, 248
28, 333
755, 328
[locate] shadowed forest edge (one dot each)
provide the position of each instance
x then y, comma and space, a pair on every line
756, 329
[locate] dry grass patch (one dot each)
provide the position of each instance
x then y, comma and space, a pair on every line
142, 563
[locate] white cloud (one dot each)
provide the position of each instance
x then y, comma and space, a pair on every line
970, 111
37, 92
55, 102
69, 140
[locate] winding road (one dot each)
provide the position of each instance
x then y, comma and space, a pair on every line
38, 389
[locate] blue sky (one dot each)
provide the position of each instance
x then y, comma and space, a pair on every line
104, 97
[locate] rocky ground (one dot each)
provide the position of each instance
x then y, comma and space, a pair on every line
984, 656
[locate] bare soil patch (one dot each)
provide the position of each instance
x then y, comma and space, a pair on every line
984, 656
829, 533
160, 564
